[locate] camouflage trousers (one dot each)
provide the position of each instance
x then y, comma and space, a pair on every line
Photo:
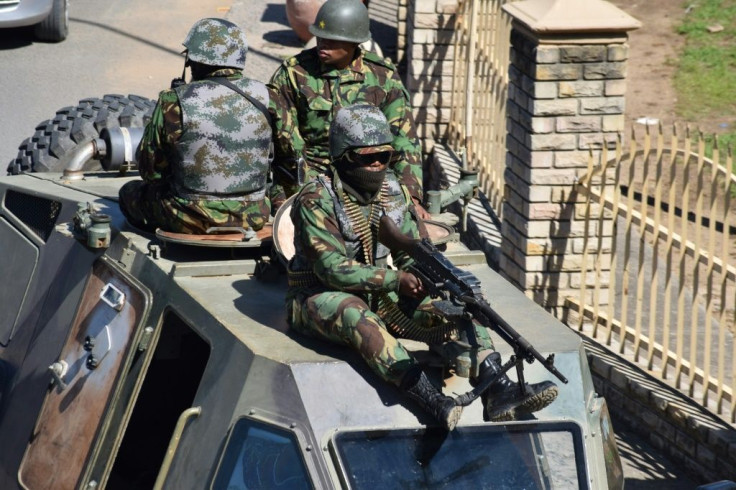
346, 319
151, 205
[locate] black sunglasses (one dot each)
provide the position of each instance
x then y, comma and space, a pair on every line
362, 159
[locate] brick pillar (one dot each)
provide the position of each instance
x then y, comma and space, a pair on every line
429, 63
566, 99
401, 25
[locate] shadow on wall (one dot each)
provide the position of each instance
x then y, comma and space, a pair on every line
546, 292
426, 85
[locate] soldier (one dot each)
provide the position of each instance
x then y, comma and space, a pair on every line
204, 156
338, 278
308, 89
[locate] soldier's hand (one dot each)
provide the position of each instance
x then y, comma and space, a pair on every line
411, 286
422, 213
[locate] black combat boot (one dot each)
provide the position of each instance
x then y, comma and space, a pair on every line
503, 400
421, 390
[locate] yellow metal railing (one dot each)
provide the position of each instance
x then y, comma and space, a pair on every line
671, 302
479, 91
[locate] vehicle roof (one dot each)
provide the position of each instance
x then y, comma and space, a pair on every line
262, 322
253, 312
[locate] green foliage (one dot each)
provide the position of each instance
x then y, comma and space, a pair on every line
706, 76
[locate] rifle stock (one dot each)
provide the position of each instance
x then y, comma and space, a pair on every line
441, 279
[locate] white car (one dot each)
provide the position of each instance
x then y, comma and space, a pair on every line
51, 17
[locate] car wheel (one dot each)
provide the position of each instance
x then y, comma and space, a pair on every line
55, 27
50, 147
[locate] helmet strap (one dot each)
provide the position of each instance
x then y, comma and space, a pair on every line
178, 82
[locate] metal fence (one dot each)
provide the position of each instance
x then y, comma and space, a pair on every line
479, 91
671, 287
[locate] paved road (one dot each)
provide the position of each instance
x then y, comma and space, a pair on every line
113, 47
133, 47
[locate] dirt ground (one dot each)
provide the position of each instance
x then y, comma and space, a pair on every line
652, 50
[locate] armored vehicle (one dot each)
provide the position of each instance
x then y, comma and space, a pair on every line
130, 360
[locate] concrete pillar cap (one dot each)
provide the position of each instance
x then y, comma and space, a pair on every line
571, 16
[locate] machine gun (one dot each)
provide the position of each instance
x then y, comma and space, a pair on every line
441, 279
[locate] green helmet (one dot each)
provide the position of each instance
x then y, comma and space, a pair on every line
342, 20
216, 42
358, 126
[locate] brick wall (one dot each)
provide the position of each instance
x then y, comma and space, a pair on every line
689, 435
428, 65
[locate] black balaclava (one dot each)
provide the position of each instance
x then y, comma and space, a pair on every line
359, 182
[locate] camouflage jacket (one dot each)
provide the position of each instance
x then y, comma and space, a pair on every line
306, 95
218, 153
327, 243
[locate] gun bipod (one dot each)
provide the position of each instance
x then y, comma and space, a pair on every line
469, 397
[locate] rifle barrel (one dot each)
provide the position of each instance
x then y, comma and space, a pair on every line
516, 340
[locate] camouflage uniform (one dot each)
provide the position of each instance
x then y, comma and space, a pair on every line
204, 156
306, 95
332, 290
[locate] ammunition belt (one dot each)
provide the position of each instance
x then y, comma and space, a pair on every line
303, 279
398, 323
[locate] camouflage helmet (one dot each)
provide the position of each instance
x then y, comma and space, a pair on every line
358, 126
216, 42
342, 20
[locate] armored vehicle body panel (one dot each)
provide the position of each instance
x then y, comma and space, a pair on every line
143, 364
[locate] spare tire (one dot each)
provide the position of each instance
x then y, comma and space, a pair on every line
50, 147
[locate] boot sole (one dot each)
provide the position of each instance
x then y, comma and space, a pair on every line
539, 401
533, 404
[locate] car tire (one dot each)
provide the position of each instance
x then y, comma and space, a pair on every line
55, 27
51, 147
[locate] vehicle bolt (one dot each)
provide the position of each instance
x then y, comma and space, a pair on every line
92, 362
89, 343
309, 447
292, 425
251, 412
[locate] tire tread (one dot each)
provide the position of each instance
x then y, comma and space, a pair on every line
50, 147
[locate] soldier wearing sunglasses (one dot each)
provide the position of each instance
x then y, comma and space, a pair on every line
340, 287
